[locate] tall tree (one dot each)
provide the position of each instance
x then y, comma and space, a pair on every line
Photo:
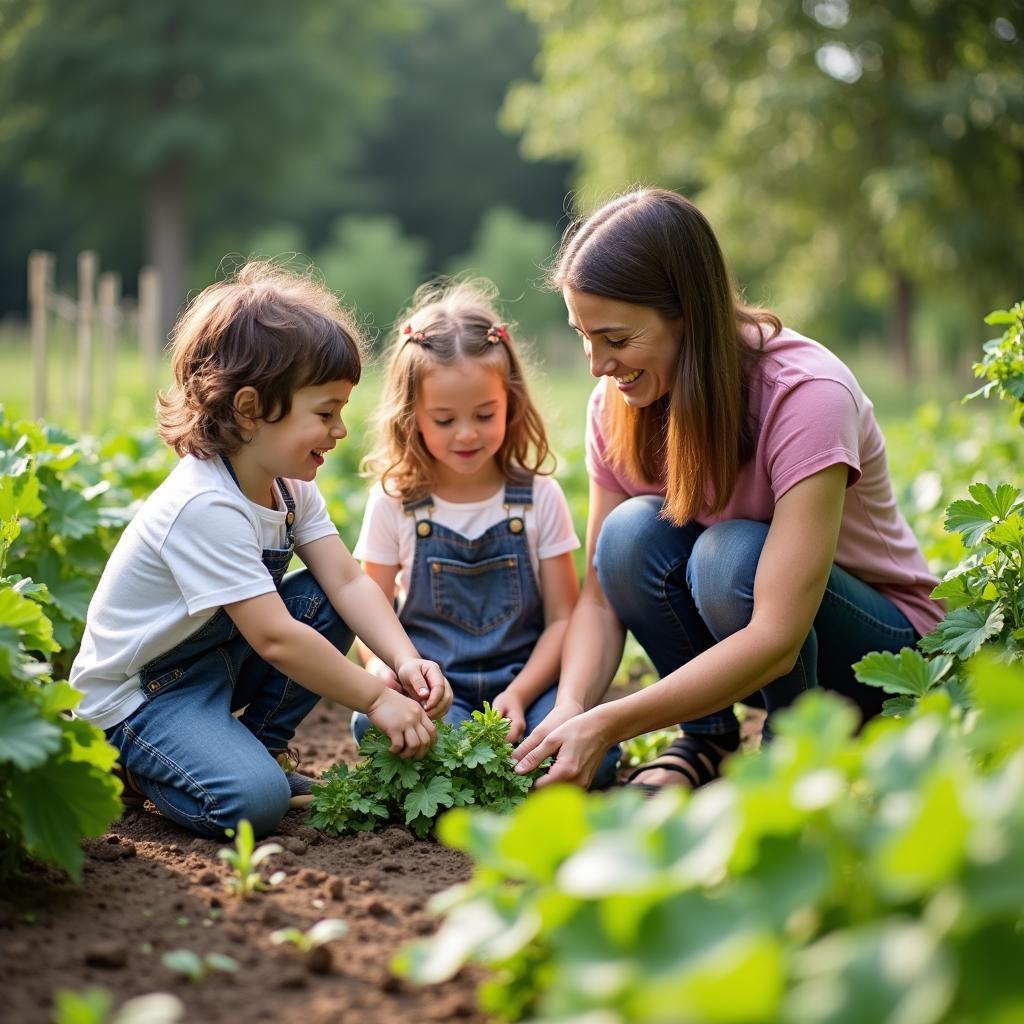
827, 139
179, 106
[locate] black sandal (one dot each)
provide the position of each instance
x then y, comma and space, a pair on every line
697, 753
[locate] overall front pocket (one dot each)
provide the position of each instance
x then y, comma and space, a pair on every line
475, 596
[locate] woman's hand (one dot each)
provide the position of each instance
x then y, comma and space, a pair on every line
509, 706
425, 682
404, 722
578, 746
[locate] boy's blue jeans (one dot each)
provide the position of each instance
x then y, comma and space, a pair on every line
199, 747
680, 589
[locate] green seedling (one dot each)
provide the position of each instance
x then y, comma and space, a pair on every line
95, 1005
312, 943
245, 858
196, 968
320, 934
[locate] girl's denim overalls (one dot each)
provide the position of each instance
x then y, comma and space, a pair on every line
475, 608
200, 764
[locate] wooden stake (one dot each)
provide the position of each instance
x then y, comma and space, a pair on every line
109, 324
149, 322
88, 264
40, 282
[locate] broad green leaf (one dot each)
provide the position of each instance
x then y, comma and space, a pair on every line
426, 798
964, 630
479, 754
26, 739
886, 972
90, 1007
907, 672
68, 514
1009, 533
71, 595
995, 503
58, 697
559, 814
27, 617
58, 803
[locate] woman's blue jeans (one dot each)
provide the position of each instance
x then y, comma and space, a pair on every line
680, 589
200, 747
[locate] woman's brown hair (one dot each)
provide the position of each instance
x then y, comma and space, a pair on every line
446, 323
654, 248
265, 328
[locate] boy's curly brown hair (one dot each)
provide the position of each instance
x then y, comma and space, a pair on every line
266, 328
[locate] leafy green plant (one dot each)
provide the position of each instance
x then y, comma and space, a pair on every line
1003, 362
830, 877
245, 858
55, 781
646, 747
195, 967
468, 765
95, 1006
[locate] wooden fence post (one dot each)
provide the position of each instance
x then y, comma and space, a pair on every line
149, 322
88, 263
40, 281
109, 322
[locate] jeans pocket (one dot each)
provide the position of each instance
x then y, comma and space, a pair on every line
475, 596
162, 682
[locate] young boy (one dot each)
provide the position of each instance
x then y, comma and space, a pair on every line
194, 619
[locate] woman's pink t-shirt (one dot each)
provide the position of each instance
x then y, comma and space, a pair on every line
810, 414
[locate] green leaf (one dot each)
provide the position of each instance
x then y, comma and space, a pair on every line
28, 619
427, 798
72, 595
60, 802
907, 672
964, 630
68, 514
479, 754
26, 739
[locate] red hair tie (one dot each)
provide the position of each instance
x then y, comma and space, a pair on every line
497, 333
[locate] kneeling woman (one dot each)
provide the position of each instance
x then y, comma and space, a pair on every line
742, 524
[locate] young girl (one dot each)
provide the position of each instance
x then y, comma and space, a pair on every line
194, 620
463, 524
742, 523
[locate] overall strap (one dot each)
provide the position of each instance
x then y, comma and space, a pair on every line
421, 511
518, 496
286, 495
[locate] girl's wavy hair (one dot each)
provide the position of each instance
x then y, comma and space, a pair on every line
266, 328
654, 248
449, 322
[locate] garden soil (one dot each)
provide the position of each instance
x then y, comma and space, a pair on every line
150, 887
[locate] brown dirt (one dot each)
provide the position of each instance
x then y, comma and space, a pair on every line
150, 887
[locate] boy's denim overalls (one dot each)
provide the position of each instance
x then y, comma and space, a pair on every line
202, 766
475, 608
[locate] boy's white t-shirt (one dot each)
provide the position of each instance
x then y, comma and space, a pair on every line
388, 533
195, 545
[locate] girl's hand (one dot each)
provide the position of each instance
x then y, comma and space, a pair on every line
404, 722
425, 682
384, 672
576, 740
509, 706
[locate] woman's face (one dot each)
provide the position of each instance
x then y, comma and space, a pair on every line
634, 345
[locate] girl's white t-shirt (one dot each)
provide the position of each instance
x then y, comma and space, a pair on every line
195, 545
388, 534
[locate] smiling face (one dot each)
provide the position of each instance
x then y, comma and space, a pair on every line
461, 413
634, 345
293, 447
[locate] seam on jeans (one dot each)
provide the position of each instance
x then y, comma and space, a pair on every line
273, 711
227, 664
672, 611
894, 631
173, 765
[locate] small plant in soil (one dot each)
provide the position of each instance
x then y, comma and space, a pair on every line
195, 967
95, 1007
312, 942
470, 764
245, 858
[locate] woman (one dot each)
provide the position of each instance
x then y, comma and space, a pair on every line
742, 524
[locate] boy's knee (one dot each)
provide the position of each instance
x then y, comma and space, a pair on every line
261, 797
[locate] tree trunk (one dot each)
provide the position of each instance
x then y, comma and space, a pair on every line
901, 314
166, 239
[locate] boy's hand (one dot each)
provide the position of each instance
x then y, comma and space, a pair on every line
509, 706
424, 681
404, 722
384, 672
